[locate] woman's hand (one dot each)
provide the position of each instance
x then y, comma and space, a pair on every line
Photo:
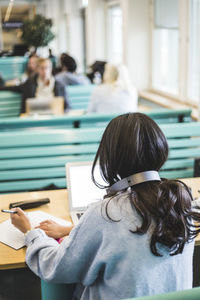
20, 220
54, 230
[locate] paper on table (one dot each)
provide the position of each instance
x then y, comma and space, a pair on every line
14, 238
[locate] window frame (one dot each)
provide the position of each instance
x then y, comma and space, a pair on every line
109, 4
184, 39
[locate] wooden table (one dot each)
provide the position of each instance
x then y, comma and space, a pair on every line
58, 206
12, 259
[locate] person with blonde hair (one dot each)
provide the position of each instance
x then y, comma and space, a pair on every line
43, 84
116, 94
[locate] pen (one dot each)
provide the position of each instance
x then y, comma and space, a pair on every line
9, 211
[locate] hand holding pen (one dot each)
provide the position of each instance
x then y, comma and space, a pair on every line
9, 211
19, 219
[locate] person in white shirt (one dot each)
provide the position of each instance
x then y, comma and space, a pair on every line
116, 94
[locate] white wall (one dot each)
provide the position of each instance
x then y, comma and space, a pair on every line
136, 37
67, 20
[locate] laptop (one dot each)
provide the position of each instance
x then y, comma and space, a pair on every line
42, 106
82, 192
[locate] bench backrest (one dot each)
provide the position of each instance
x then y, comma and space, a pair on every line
12, 67
32, 160
10, 105
90, 120
184, 145
79, 95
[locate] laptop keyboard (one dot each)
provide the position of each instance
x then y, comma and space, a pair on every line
79, 215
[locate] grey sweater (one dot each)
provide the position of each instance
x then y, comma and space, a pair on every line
106, 259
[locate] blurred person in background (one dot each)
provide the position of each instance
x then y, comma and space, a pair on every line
16, 83
1, 80
68, 75
96, 71
43, 85
31, 67
116, 94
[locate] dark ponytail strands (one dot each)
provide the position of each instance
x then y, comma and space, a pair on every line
168, 204
134, 143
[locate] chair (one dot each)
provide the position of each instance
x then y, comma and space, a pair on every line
51, 291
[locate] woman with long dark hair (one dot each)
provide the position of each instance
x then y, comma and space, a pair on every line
139, 239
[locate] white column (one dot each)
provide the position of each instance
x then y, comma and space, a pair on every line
125, 29
183, 47
136, 38
95, 31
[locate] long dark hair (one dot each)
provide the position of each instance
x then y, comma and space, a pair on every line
134, 143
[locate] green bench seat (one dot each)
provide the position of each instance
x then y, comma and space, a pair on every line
32, 160
89, 120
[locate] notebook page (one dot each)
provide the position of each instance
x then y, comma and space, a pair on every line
14, 238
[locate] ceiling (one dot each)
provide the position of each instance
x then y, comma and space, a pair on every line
20, 9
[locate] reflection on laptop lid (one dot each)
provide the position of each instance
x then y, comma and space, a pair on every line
81, 190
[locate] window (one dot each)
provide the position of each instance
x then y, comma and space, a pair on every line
114, 34
194, 51
165, 52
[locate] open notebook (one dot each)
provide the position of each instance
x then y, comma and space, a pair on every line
14, 238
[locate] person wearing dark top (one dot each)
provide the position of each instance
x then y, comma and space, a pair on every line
43, 85
40, 85
1, 81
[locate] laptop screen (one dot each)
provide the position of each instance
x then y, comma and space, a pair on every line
54, 105
81, 189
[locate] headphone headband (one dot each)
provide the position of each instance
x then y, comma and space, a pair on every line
133, 180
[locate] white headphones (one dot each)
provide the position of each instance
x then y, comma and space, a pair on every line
133, 180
